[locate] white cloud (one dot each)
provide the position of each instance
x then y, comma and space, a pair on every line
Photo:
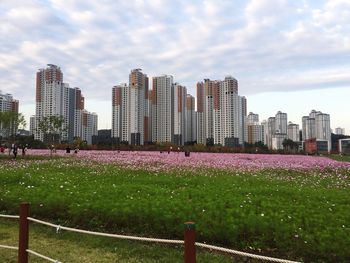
267, 45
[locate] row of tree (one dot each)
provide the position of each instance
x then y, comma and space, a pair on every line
11, 121
54, 125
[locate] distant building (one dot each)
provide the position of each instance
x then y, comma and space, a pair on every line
162, 109
22, 132
255, 133
201, 118
281, 123
55, 98
191, 119
252, 118
339, 131
32, 127
264, 123
120, 111
344, 146
293, 132
89, 127
317, 126
138, 107
277, 131
104, 138
316, 146
7, 104
179, 115
271, 129
221, 113
277, 141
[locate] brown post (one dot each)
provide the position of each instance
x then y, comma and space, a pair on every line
190, 239
23, 233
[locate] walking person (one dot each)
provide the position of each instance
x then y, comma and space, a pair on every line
15, 150
24, 150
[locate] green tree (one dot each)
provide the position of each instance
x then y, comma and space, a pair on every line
290, 146
51, 126
9, 123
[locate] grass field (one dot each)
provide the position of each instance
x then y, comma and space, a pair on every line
342, 158
295, 214
72, 247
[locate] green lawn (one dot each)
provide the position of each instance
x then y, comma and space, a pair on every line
343, 158
72, 247
287, 214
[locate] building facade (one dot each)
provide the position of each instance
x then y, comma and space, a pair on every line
55, 98
162, 109
317, 126
201, 118
179, 115
221, 113
293, 132
138, 110
191, 120
8, 104
339, 131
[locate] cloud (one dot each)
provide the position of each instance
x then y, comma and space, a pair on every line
267, 45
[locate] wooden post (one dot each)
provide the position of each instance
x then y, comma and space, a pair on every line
23, 233
190, 239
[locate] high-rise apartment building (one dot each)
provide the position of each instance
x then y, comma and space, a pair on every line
138, 110
221, 113
309, 125
201, 118
271, 128
323, 128
276, 131
89, 126
212, 111
55, 98
339, 131
179, 114
162, 109
255, 131
120, 119
293, 132
281, 123
317, 126
7, 104
252, 118
191, 119
233, 113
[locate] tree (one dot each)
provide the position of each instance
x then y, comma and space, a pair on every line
10, 121
289, 145
51, 126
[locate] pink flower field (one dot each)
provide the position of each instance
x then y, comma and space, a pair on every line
174, 160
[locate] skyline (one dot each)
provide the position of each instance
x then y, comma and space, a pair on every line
280, 52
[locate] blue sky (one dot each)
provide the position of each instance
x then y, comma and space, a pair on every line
292, 55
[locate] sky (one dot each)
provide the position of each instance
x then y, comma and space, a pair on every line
292, 56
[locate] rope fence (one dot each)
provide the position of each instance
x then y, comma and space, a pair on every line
9, 216
147, 239
42, 256
188, 242
243, 254
9, 247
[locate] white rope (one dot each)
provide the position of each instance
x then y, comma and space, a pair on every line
9, 216
58, 227
42, 256
8, 247
168, 241
231, 251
